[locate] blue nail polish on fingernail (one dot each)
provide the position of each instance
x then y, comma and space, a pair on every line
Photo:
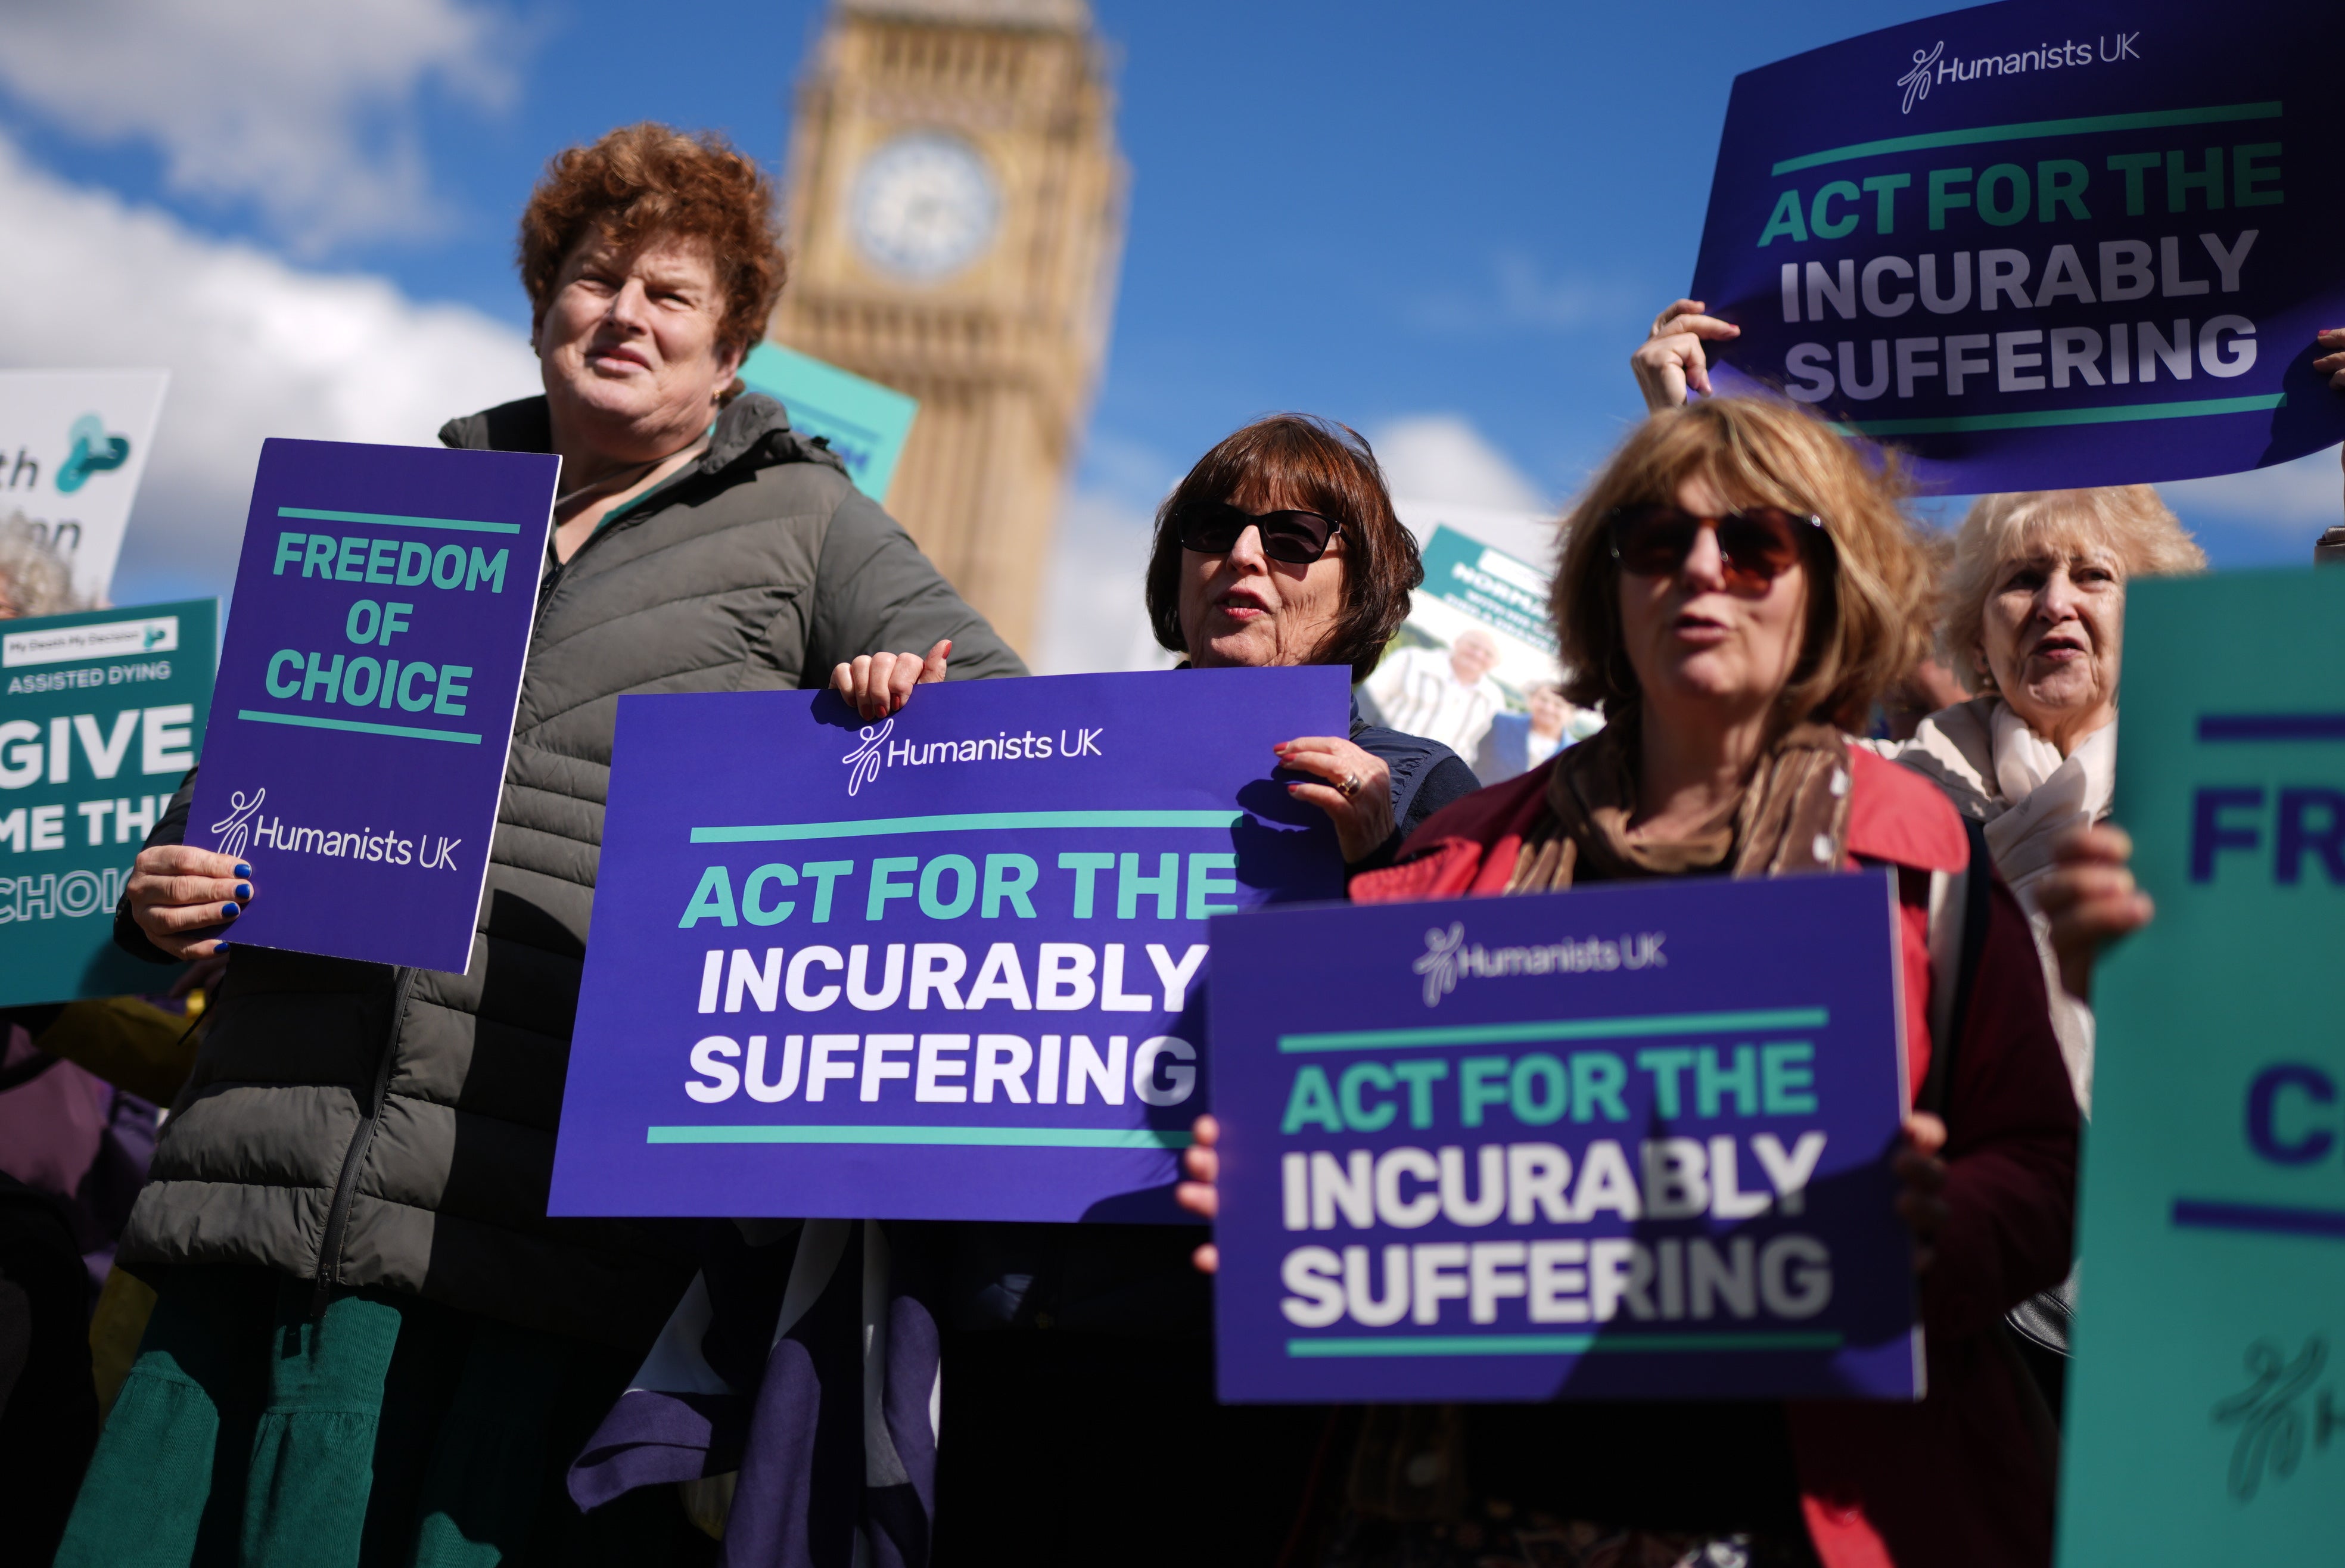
242, 869
228, 911
244, 890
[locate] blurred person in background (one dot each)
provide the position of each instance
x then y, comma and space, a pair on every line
1737, 588
33, 580
1445, 694
370, 1342
1932, 683
1516, 742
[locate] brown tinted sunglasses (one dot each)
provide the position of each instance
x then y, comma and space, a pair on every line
1755, 545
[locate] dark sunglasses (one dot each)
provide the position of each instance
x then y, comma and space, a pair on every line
1756, 545
1297, 538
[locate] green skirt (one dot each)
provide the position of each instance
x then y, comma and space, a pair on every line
386, 1430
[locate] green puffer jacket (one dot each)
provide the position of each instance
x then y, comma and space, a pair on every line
360, 1125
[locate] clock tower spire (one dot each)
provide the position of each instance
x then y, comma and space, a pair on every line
956, 203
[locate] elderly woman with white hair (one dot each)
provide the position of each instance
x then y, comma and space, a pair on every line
2034, 616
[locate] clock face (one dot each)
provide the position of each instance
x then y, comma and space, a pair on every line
924, 206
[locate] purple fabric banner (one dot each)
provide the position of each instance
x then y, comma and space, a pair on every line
2044, 245
951, 965
1625, 1142
366, 692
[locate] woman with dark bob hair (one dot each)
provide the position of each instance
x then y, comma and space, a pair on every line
1737, 588
1080, 1359
370, 1342
1282, 547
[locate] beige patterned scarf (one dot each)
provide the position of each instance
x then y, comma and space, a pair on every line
1792, 818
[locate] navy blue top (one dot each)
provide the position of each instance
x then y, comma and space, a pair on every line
1426, 776
1136, 1278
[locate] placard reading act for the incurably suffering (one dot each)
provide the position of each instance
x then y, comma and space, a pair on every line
1625, 1142
951, 965
2045, 243
367, 688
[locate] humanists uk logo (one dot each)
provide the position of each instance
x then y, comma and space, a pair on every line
244, 828
1448, 959
874, 750
1932, 68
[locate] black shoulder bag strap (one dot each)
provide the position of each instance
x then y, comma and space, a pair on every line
1978, 893
2038, 1401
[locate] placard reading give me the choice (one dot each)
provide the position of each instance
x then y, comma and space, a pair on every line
949, 965
1624, 1142
366, 695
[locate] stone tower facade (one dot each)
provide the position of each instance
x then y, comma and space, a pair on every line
956, 206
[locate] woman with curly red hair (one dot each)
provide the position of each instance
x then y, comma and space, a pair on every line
370, 1342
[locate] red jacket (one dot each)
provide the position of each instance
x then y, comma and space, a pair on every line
1962, 1479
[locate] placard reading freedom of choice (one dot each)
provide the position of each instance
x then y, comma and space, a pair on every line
2045, 245
365, 706
1625, 1142
950, 965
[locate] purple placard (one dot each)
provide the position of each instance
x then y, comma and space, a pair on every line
1625, 1142
2044, 245
951, 965
366, 694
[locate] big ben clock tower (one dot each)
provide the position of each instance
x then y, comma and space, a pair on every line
956, 213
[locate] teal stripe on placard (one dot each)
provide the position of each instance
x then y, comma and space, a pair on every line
396, 519
1552, 1344
963, 822
932, 1137
2024, 130
1955, 423
1558, 1029
405, 731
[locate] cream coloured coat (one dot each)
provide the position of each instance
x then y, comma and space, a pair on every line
2026, 797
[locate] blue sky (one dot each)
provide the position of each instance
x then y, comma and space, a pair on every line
1446, 226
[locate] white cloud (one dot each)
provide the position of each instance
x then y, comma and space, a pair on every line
2299, 498
1521, 295
255, 348
1444, 458
304, 110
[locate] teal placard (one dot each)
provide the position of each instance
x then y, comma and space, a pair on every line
101, 714
2207, 1400
865, 422
1489, 585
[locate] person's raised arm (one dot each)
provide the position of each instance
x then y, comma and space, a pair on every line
1672, 357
